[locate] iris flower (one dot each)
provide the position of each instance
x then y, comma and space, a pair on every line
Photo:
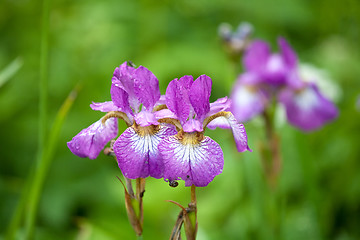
276, 76
190, 155
135, 97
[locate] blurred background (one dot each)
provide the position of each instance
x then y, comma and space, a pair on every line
318, 193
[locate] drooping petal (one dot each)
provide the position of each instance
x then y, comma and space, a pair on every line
91, 141
195, 164
221, 104
256, 56
145, 118
137, 152
307, 109
287, 53
193, 125
146, 87
247, 101
199, 96
239, 133
104, 106
123, 78
220, 122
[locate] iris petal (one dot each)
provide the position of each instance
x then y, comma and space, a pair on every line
177, 100
196, 164
247, 101
307, 109
138, 155
146, 87
104, 106
257, 56
199, 95
90, 141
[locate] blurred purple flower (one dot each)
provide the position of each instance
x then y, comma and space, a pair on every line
134, 94
190, 155
275, 76
306, 108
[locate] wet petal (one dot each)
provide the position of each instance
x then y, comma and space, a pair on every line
120, 98
221, 104
307, 109
123, 78
146, 87
256, 56
138, 155
247, 101
104, 106
199, 95
92, 140
195, 164
239, 133
177, 100
187, 81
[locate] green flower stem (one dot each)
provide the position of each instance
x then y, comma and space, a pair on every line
42, 168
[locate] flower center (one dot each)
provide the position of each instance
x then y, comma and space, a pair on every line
192, 138
144, 131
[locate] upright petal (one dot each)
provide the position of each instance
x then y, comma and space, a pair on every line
287, 53
146, 87
177, 100
187, 81
307, 109
120, 98
137, 152
195, 164
237, 129
104, 106
123, 77
199, 95
90, 141
256, 56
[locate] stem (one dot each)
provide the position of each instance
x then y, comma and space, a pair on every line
273, 162
193, 206
193, 194
41, 167
140, 189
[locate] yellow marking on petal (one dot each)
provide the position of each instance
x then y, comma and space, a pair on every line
193, 138
216, 115
116, 114
144, 131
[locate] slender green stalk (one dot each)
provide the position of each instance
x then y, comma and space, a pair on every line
45, 162
41, 166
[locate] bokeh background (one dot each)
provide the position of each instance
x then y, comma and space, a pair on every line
318, 194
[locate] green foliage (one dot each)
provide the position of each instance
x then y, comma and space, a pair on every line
318, 195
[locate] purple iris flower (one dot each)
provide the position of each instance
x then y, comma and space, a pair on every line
276, 76
306, 108
134, 93
189, 155
272, 69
